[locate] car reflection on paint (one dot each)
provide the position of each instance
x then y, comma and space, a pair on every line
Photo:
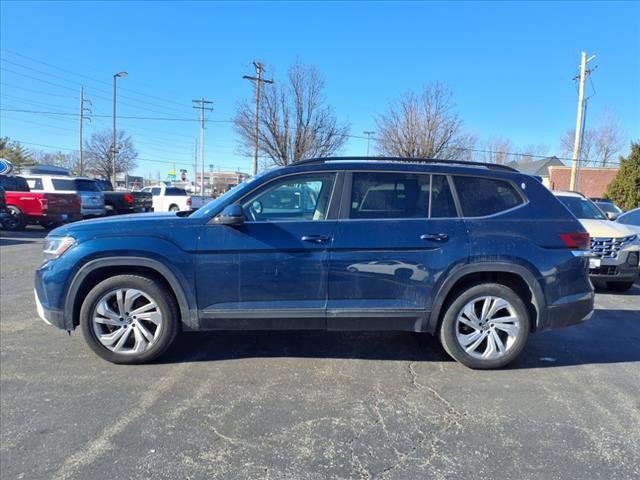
395, 268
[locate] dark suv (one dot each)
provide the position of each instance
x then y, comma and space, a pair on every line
478, 254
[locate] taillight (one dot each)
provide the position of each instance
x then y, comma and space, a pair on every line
189, 201
128, 198
576, 241
44, 203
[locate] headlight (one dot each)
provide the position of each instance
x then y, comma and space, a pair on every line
56, 246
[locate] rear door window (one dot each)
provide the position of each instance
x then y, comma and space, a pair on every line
14, 184
174, 192
480, 197
385, 195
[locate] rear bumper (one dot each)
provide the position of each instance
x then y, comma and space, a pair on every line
568, 310
93, 212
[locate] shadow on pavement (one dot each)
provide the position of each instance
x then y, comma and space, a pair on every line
611, 336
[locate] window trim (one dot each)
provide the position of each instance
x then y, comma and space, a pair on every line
345, 204
525, 200
331, 207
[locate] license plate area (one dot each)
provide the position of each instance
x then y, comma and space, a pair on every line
594, 262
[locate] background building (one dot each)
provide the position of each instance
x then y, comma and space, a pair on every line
590, 181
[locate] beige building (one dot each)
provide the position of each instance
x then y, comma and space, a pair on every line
219, 182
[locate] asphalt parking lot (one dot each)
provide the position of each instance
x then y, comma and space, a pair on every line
314, 405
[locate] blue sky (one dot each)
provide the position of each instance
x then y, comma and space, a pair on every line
510, 66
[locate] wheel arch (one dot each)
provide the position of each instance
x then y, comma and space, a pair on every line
517, 277
94, 271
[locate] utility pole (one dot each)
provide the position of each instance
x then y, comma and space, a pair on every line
114, 146
368, 134
577, 144
195, 165
258, 80
201, 106
82, 118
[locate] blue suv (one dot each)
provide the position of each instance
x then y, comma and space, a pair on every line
477, 254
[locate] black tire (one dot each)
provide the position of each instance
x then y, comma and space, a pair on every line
620, 286
110, 210
50, 225
15, 221
448, 333
164, 301
174, 208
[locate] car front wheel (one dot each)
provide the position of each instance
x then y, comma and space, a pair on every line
485, 327
129, 319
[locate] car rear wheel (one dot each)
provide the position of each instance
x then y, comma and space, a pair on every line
15, 220
485, 327
174, 208
620, 286
129, 319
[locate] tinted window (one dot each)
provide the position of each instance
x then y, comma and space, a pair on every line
608, 207
14, 184
582, 208
171, 191
485, 196
300, 197
75, 184
398, 195
630, 218
104, 185
155, 191
35, 183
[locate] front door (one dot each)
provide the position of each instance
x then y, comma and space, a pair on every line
270, 272
399, 235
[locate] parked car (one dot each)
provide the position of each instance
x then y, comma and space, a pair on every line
610, 209
123, 202
631, 220
91, 198
173, 199
46, 209
502, 257
616, 248
4, 213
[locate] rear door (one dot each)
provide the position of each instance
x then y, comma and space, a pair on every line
397, 234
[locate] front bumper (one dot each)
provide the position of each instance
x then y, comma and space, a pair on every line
568, 310
623, 268
50, 316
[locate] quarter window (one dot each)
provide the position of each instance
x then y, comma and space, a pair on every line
295, 198
397, 195
480, 197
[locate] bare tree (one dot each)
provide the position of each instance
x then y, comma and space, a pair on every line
532, 152
609, 139
294, 120
424, 125
587, 145
599, 145
59, 159
496, 150
98, 153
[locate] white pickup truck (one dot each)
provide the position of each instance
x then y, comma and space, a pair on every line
173, 199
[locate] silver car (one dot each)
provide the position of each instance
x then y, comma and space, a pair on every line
90, 195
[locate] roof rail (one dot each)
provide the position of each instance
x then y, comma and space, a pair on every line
493, 166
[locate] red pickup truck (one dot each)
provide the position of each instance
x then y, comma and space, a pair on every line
46, 209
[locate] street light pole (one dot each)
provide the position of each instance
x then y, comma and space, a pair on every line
114, 148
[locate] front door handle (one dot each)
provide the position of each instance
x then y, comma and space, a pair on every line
435, 237
315, 238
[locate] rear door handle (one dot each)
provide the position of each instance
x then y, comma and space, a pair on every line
315, 238
435, 237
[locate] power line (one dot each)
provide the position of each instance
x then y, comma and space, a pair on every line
86, 76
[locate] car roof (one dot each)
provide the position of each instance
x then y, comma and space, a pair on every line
568, 194
59, 177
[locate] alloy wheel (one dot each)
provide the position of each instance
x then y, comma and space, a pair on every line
487, 327
127, 321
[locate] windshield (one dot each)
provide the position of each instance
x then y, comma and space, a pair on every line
104, 185
608, 207
582, 208
630, 218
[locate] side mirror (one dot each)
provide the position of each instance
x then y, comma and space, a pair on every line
231, 215
611, 216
